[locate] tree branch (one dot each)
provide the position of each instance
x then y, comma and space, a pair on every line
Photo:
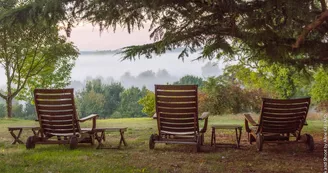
323, 17
3, 96
323, 5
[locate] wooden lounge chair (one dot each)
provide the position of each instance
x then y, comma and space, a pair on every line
280, 120
59, 123
177, 116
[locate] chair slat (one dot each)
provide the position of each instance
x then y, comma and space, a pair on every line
59, 102
177, 105
180, 129
286, 101
58, 131
47, 97
285, 106
293, 111
48, 117
60, 122
168, 110
278, 130
177, 125
177, 115
53, 91
281, 115
175, 87
180, 120
176, 99
60, 107
177, 94
41, 112
58, 127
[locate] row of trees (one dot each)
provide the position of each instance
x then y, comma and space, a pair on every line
239, 89
110, 100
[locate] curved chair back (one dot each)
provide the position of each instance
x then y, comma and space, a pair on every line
177, 109
56, 112
283, 116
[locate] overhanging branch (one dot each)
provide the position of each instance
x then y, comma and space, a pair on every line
323, 5
323, 17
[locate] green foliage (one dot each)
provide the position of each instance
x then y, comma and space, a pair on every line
148, 103
319, 90
91, 103
260, 30
223, 96
107, 98
18, 110
276, 80
2, 110
32, 55
129, 106
112, 97
190, 80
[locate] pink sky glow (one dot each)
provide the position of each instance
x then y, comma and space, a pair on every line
87, 37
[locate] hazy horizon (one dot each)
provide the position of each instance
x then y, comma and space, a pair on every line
166, 68
88, 38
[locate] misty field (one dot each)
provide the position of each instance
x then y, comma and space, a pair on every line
136, 157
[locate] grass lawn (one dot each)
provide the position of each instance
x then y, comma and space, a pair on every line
136, 157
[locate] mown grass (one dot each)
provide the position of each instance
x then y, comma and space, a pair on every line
165, 158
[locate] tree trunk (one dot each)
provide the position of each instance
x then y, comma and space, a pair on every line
9, 99
9, 102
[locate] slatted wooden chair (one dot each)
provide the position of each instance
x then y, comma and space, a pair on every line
177, 116
280, 120
59, 123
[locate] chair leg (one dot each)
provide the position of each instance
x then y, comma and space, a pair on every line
259, 142
308, 140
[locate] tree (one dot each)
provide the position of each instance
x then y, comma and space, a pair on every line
319, 90
30, 52
112, 94
148, 103
108, 93
91, 103
276, 80
223, 94
190, 80
129, 106
267, 30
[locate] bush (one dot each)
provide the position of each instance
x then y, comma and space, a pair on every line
227, 97
148, 103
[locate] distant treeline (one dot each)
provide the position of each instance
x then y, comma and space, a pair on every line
105, 52
237, 90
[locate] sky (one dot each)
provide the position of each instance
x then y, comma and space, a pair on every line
87, 38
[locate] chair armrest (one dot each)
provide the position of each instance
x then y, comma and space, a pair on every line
93, 117
250, 119
204, 116
88, 117
305, 123
155, 116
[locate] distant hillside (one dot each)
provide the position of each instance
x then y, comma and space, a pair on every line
99, 52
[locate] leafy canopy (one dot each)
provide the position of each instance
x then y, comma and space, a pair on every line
258, 30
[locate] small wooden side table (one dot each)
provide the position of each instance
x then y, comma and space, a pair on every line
20, 129
237, 129
100, 136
